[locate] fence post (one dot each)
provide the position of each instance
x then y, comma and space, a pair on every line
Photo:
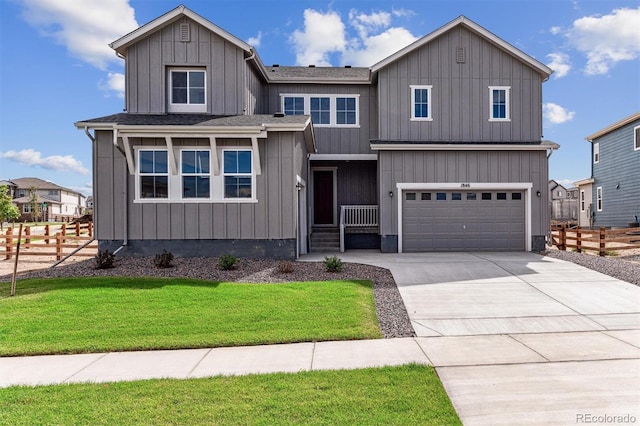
77, 229
563, 237
27, 236
58, 246
46, 234
64, 231
90, 228
8, 243
602, 242
579, 239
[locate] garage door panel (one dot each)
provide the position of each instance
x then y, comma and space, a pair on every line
468, 223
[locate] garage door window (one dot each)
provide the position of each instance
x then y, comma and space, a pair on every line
516, 196
456, 196
441, 196
486, 195
425, 196
411, 196
501, 196
471, 196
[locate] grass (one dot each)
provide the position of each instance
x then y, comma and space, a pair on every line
98, 314
403, 395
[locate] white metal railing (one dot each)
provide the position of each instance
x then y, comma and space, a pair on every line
356, 217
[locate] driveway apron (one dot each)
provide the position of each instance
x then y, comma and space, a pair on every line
518, 338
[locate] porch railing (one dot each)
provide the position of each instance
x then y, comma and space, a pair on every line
357, 217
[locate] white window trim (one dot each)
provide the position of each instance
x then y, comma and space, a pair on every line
596, 153
252, 174
182, 175
413, 102
171, 107
216, 182
507, 99
636, 138
139, 175
332, 106
599, 203
582, 200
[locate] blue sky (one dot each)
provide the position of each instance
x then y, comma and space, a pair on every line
56, 67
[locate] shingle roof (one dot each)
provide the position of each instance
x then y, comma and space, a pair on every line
314, 74
194, 120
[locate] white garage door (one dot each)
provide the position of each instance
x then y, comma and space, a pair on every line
460, 220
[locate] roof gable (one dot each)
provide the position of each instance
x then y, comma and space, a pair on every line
120, 45
482, 32
614, 126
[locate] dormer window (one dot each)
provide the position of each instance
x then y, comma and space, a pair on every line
187, 90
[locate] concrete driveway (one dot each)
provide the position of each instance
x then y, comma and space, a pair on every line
518, 338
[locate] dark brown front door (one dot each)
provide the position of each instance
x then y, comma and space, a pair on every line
323, 207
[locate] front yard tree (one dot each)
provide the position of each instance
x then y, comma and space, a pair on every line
7, 210
36, 207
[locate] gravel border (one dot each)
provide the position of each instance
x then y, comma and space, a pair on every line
624, 268
392, 314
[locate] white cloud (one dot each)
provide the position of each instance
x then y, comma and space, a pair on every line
559, 64
555, 30
607, 39
325, 34
114, 83
556, 114
86, 188
32, 158
255, 41
84, 27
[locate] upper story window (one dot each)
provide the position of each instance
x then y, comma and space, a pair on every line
325, 110
596, 152
294, 105
21, 193
582, 200
153, 173
636, 138
499, 103
195, 170
238, 174
421, 103
187, 90
599, 198
320, 109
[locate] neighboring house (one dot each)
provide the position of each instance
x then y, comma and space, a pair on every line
615, 173
56, 202
563, 202
585, 202
437, 147
90, 203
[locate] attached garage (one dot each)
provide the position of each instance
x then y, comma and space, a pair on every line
467, 219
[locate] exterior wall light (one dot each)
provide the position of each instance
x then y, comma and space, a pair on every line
391, 194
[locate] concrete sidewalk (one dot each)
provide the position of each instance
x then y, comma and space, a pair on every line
515, 338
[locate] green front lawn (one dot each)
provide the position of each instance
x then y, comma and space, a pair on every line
77, 315
407, 395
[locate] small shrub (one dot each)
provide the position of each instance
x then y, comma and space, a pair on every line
164, 259
285, 267
104, 259
227, 262
333, 264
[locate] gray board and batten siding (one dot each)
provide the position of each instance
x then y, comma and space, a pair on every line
148, 61
452, 167
460, 92
267, 227
618, 173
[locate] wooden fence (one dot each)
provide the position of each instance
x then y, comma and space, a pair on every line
47, 240
601, 240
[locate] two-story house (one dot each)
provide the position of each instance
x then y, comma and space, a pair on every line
613, 191
56, 203
438, 147
563, 202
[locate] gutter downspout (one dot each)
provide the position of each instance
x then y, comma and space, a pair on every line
125, 233
246, 83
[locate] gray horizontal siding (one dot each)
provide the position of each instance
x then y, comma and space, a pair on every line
618, 173
460, 94
462, 166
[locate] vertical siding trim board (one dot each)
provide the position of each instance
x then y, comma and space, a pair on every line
527, 187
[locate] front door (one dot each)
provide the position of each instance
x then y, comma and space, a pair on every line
323, 197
